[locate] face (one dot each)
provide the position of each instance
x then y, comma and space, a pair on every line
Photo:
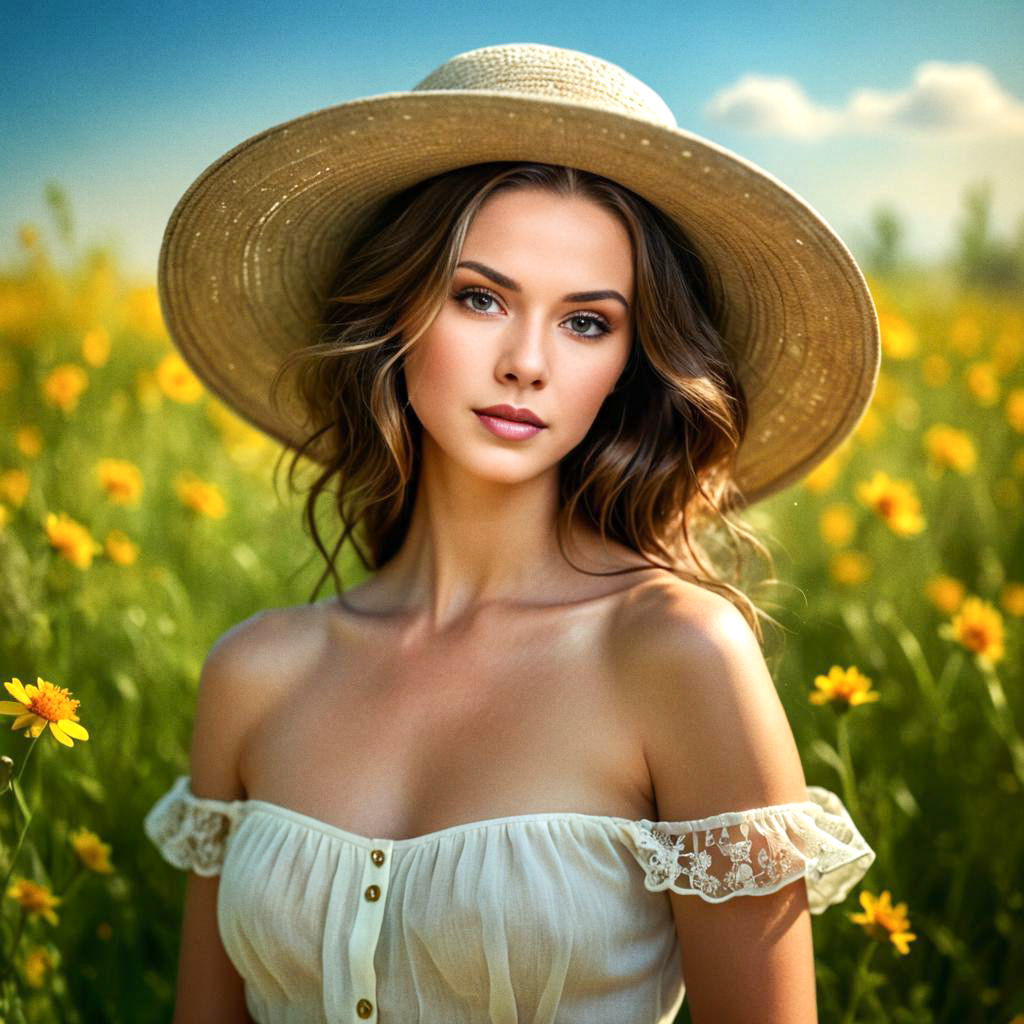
538, 317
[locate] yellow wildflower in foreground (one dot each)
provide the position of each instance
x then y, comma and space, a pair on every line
948, 447
978, 626
120, 548
95, 855
121, 480
35, 964
34, 898
202, 497
14, 486
884, 922
177, 380
843, 688
28, 441
894, 501
71, 539
63, 386
43, 705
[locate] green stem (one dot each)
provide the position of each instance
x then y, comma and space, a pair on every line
858, 988
25, 810
885, 613
1002, 720
849, 779
9, 960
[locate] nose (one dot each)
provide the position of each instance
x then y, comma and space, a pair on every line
524, 354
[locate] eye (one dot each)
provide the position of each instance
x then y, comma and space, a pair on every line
586, 320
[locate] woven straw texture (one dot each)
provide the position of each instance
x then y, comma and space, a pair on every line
251, 248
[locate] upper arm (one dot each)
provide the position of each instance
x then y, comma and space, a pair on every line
717, 739
209, 988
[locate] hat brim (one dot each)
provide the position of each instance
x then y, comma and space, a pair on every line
252, 248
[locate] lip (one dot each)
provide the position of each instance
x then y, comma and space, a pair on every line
510, 430
509, 412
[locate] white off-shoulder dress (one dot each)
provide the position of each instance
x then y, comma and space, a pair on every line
547, 918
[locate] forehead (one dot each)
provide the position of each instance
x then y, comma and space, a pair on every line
536, 236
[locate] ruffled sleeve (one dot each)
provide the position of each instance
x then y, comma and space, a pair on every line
757, 851
191, 832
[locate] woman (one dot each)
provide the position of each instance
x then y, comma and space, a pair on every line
527, 769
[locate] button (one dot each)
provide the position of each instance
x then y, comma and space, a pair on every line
364, 1008
372, 892
377, 856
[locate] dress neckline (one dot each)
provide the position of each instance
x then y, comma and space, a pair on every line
370, 842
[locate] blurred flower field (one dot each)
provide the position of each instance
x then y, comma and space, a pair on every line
139, 520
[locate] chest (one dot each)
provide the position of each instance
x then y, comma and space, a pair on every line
386, 738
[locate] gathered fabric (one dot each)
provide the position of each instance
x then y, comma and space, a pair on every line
546, 918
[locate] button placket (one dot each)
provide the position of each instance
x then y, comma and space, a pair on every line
366, 928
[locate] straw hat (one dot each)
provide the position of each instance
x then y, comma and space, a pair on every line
252, 247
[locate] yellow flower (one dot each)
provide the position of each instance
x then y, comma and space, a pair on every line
34, 898
884, 922
14, 486
843, 688
28, 441
64, 385
121, 480
177, 380
850, 568
35, 964
94, 854
949, 447
894, 501
899, 340
96, 346
1015, 409
982, 383
1011, 597
978, 626
71, 539
945, 592
44, 705
5, 516
142, 312
120, 548
837, 524
202, 497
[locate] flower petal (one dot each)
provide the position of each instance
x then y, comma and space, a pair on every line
59, 734
15, 689
20, 723
73, 729
11, 707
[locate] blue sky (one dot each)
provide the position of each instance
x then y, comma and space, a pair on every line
903, 103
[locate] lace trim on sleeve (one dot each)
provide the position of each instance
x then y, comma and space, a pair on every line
757, 851
191, 832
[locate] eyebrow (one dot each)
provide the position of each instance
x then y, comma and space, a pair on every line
506, 282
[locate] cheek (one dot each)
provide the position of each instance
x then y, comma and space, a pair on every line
436, 367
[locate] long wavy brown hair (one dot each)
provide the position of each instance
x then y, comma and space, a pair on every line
655, 470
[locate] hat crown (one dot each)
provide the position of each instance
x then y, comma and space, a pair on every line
551, 72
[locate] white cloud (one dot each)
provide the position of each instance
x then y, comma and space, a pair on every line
942, 100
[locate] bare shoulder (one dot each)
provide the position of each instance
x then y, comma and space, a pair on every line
715, 733
247, 669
